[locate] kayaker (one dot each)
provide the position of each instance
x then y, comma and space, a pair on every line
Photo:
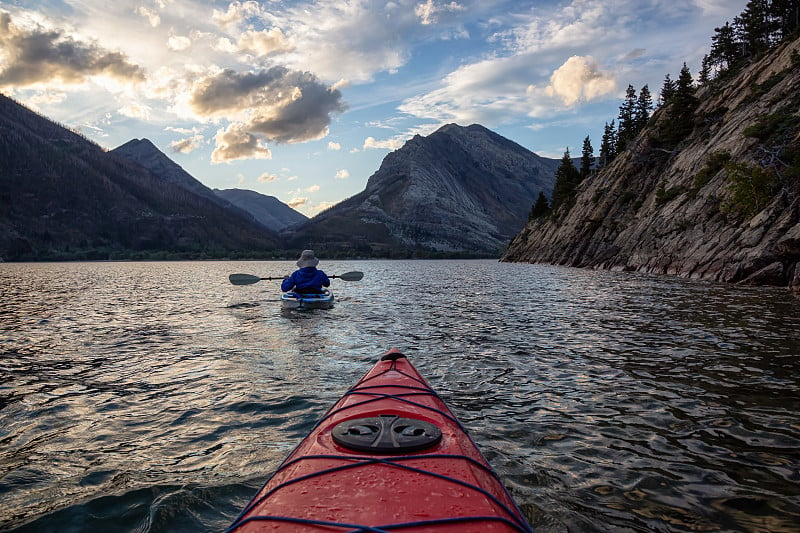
308, 279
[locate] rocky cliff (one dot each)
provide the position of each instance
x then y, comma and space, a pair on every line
723, 205
460, 189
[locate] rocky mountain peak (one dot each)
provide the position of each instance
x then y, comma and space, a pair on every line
460, 189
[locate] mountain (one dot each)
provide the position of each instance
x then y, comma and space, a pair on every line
64, 197
459, 190
145, 153
267, 210
723, 204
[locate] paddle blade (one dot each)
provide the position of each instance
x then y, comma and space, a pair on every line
243, 279
351, 276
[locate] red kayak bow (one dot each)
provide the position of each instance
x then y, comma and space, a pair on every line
388, 456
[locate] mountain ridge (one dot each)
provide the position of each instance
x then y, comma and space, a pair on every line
64, 197
267, 210
459, 192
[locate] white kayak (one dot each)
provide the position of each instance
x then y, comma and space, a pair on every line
294, 300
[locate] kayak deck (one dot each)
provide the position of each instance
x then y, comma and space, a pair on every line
389, 455
295, 300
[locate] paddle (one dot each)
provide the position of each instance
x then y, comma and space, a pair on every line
249, 279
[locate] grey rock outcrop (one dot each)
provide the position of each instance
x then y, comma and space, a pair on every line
674, 211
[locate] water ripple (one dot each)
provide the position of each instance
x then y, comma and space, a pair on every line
158, 397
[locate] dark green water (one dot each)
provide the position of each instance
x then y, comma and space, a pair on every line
158, 397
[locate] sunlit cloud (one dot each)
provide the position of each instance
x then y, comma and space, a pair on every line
294, 203
264, 43
38, 55
136, 110
151, 15
387, 144
179, 43
235, 142
342, 174
283, 106
236, 13
580, 78
267, 178
187, 145
320, 207
334, 146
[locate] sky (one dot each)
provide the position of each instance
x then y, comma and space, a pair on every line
302, 100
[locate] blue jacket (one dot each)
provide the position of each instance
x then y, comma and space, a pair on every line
305, 279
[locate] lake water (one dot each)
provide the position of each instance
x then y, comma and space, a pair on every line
158, 397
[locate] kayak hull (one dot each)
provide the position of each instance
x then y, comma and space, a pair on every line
293, 300
389, 455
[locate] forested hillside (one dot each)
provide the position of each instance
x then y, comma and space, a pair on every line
63, 197
709, 185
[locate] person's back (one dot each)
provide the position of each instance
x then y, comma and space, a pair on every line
308, 279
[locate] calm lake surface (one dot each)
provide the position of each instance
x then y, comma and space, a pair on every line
158, 397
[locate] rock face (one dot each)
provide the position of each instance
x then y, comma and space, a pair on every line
677, 211
267, 210
461, 189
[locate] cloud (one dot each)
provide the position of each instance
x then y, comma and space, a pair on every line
237, 13
267, 177
388, 144
334, 146
428, 12
264, 43
151, 15
322, 206
135, 110
37, 55
178, 43
237, 143
294, 203
342, 174
580, 78
349, 40
279, 106
313, 188
187, 145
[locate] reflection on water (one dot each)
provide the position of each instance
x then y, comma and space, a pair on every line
157, 396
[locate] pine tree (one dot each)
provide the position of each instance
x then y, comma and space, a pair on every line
642, 108
626, 129
785, 18
724, 50
567, 179
540, 208
667, 90
704, 77
587, 158
608, 145
680, 113
752, 28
